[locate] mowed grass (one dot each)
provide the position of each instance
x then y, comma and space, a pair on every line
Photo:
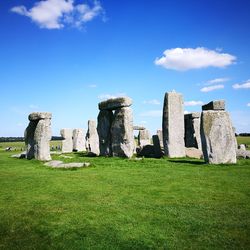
244, 140
124, 204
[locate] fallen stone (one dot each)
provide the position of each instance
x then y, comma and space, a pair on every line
20, 156
60, 164
214, 105
66, 156
53, 163
194, 153
115, 103
241, 153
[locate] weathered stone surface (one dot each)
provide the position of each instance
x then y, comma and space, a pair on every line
53, 163
192, 130
115, 103
39, 115
160, 136
147, 151
194, 153
105, 119
60, 164
214, 105
173, 125
92, 139
217, 136
122, 133
144, 138
67, 142
157, 146
241, 153
242, 146
78, 140
37, 136
138, 128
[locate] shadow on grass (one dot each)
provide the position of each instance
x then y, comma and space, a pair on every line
187, 161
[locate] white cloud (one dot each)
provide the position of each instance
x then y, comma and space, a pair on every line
110, 96
152, 113
211, 88
54, 14
92, 86
153, 102
245, 85
189, 58
217, 80
186, 112
193, 103
32, 106
248, 105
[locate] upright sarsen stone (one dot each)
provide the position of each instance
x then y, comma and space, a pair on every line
78, 140
217, 136
67, 142
105, 119
38, 135
122, 133
173, 125
144, 138
92, 139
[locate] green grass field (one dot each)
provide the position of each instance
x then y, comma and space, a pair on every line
124, 204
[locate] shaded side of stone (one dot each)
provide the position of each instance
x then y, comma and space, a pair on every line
92, 139
157, 146
214, 105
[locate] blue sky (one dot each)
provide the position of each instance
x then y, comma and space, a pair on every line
66, 56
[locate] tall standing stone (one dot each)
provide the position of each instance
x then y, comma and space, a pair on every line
157, 146
160, 136
105, 119
92, 139
78, 140
144, 138
38, 135
67, 142
122, 133
192, 130
217, 135
173, 125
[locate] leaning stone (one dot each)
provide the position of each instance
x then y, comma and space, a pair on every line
92, 139
214, 105
37, 136
138, 128
115, 103
122, 133
78, 140
105, 119
67, 142
241, 153
144, 138
39, 115
194, 153
173, 125
217, 136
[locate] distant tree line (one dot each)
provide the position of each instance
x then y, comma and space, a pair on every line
16, 139
243, 134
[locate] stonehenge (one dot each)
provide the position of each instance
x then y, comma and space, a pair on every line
173, 125
116, 129
92, 139
144, 138
37, 136
78, 140
217, 134
67, 143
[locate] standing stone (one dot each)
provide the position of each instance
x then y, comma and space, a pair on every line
173, 125
105, 119
192, 130
78, 140
122, 133
92, 139
157, 146
144, 138
67, 142
159, 133
217, 136
37, 136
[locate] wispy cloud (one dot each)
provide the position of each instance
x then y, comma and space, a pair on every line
55, 14
32, 106
193, 103
110, 96
245, 85
152, 113
92, 86
217, 80
153, 102
212, 88
248, 105
189, 58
